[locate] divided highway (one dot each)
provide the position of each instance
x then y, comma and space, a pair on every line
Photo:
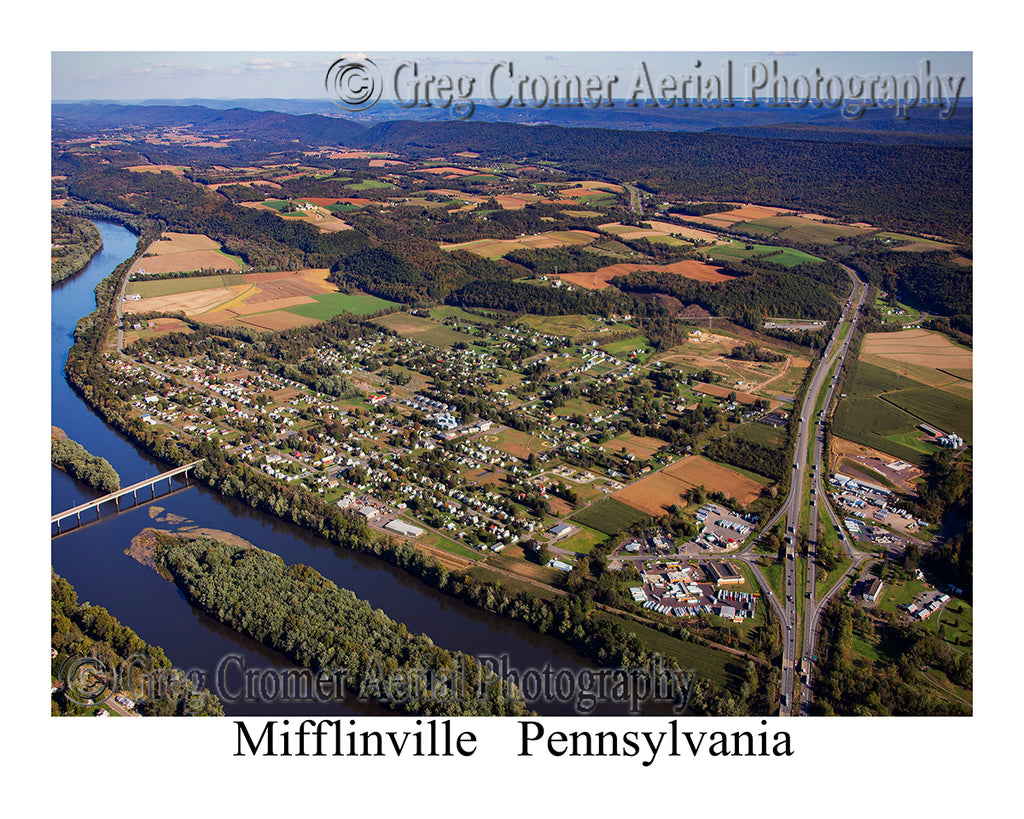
835, 353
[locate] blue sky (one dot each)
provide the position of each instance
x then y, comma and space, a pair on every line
113, 75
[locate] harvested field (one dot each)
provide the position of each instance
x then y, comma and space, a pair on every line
922, 347
181, 243
380, 163
422, 329
448, 171
156, 169
641, 447
496, 248
277, 320
284, 289
695, 470
185, 262
654, 495
182, 253
516, 201
191, 303
744, 213
688, 268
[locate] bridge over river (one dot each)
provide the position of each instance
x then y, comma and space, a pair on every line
133, 490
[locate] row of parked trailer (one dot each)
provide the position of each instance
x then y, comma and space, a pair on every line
739, 528
677, 611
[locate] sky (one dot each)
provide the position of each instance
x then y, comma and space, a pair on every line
143, 75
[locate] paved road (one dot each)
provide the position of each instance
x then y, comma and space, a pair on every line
791, 509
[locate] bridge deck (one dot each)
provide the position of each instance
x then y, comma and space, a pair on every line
113, 496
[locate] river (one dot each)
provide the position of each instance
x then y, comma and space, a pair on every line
92, 558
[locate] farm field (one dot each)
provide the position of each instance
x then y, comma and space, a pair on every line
915, 244
802, 229
695, 470
737, 250
184, 253
641, 447
656, 493
331, 304
172, 287
727, 218
423, 329
496, 248
610, 516
262, 301
689, 268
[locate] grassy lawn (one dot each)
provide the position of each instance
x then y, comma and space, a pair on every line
774, 574
582, 541
955, 627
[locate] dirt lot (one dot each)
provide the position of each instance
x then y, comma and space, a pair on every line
874, 461
723, 392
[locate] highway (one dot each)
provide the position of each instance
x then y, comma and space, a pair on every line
791, 508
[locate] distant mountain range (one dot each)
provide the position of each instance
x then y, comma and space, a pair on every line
878, 126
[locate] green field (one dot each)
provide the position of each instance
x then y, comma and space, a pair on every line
582, 541
610, 516
276, 204
941, 408
915, 243
369, 184
706, 661
865, 418
737, 250
796, 229
640, 345
343, 207
331, 304
760, 434
171, 287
